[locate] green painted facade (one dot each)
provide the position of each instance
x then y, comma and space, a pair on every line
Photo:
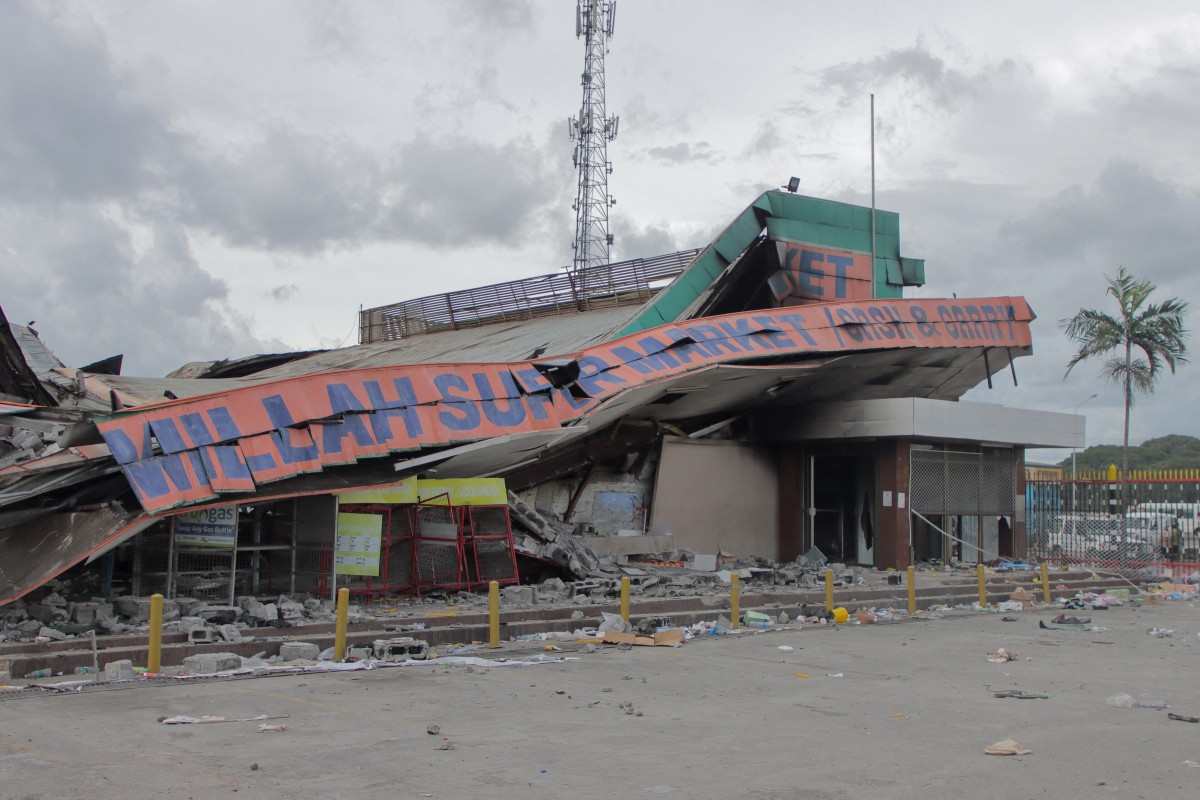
790, 218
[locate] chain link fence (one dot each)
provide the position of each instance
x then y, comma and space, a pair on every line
1141, 528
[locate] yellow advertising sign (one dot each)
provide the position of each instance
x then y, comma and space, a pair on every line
466, 491
356, 551
402, 493
462, 492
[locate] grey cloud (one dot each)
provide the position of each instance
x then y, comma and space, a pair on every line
632, 240
916, 65
94, 294
455, 191
683, 152
289, 190
766, 139
489, 15
333, 30
1128, 216
283, 292
74, 124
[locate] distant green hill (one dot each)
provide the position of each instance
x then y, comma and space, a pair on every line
1166, 452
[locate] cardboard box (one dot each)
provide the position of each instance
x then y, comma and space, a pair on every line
669, 638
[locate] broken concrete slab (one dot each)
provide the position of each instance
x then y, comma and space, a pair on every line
211, 663
296, 651
632, 545
118, 670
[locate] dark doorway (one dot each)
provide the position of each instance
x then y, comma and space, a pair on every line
844, 518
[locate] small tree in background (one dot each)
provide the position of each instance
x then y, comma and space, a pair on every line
1154, 330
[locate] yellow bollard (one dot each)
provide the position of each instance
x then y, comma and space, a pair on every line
982, 586
1045, 584
343, 616
625, 598
494, 614
829, 590
912, 590
154, 661
735, 600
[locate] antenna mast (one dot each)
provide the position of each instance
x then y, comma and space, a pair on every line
592, 131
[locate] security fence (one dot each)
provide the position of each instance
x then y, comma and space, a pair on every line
1145, 526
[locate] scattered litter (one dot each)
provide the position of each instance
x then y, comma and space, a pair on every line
835, 674
433, 730
1006, 747
1063, 619
784, 648
1181, 718
265, 728
1190, 763
449, 745
1021, 694
1121, 700
1161, 633
1000, 656
182, 720
801, 675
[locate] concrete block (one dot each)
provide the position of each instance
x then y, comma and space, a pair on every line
359, 653
203, 635
294, 651
291, 611
189, 624
525, 595
118, 670
47, 615
230, 633
188, 605
138, 608
400, 649
51, 633
631, 545
211, 663
84, 613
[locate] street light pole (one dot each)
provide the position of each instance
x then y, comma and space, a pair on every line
1074, 505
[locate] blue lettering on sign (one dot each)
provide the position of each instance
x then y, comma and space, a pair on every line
281, 419
514, 414
796, 323
229, 462
809, 274
460, 413
123, 448
222, 420
593, 372
197, 431
840, 265
402, 407
774, 338
168, 435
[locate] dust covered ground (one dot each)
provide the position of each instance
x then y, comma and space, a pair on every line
721, 717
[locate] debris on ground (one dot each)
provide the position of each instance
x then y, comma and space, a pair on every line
1001, 656
1020, 694
1007, 747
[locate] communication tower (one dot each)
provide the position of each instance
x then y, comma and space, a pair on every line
591, 131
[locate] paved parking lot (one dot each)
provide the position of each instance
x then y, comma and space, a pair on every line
719, 718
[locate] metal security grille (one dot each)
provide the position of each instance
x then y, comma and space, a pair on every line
1145, 527
958, 482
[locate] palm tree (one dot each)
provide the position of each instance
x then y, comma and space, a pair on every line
1156, 329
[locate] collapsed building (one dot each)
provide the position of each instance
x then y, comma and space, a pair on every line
771, 393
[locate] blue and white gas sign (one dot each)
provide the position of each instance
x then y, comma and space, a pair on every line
208, 527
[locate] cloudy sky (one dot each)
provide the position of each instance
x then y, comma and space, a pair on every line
183, 181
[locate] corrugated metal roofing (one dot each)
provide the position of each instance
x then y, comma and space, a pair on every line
514, 341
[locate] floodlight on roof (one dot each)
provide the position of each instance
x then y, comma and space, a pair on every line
793, 184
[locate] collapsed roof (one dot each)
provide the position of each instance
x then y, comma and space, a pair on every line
795, 302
